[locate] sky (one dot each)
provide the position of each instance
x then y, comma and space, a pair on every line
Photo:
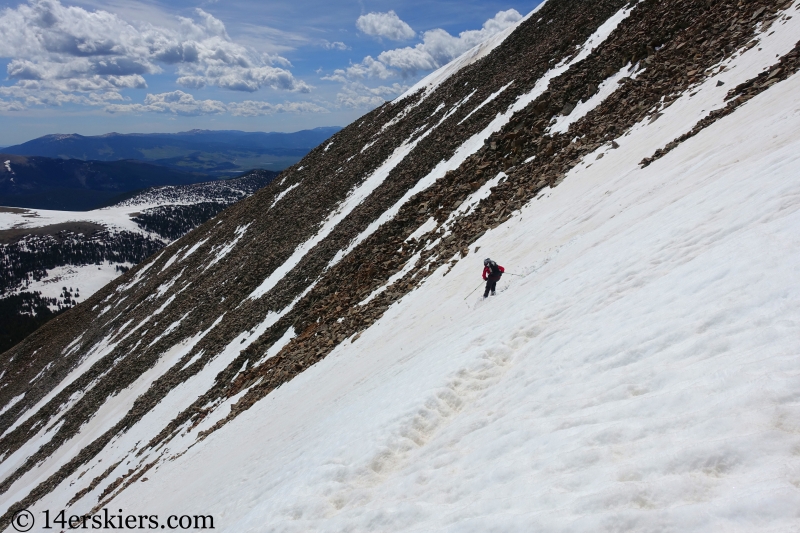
92, 67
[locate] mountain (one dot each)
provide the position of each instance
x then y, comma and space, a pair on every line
318, 356
223, 152
52, 260
75, 185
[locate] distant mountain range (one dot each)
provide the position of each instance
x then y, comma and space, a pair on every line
224, 152
77, 173
75, 185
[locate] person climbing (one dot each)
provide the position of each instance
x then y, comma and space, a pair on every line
491, 273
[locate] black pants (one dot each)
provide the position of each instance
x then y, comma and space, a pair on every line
491, 284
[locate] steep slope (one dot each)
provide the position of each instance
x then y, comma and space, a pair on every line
631, 163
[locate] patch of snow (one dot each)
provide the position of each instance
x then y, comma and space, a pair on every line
172, 327
167, 302
582, 108
173, 258
283, 193
411, 263
14, 401
278, 346
356, 196
162, 289
88, 278
37, 376
427, 226
226, 249
74, 345
488, 99
472, 201
125, 286
194, 248
194, 359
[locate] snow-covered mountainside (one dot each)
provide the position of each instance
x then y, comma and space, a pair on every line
313, 359
52, 260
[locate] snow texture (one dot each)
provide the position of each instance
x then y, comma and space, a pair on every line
222, 251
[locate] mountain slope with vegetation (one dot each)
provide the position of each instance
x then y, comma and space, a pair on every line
50, 261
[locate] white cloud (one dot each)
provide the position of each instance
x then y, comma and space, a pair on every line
184, 104
10, 107
368, 68
30, 94
249, 108
336, 45
439, 47
356, 95
71, 50
436, 49
386, 25
175, 102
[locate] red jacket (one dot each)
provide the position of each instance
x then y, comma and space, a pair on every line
488, 271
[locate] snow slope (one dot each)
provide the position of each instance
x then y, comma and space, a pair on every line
642, 375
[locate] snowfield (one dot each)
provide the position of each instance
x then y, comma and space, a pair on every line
88, 278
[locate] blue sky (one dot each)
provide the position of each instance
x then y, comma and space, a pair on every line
93, 67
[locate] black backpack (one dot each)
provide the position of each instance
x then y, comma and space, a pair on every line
495, 269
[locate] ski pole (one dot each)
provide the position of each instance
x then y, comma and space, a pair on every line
510, 274
473, 290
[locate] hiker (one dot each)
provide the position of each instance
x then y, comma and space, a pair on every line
491, 273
